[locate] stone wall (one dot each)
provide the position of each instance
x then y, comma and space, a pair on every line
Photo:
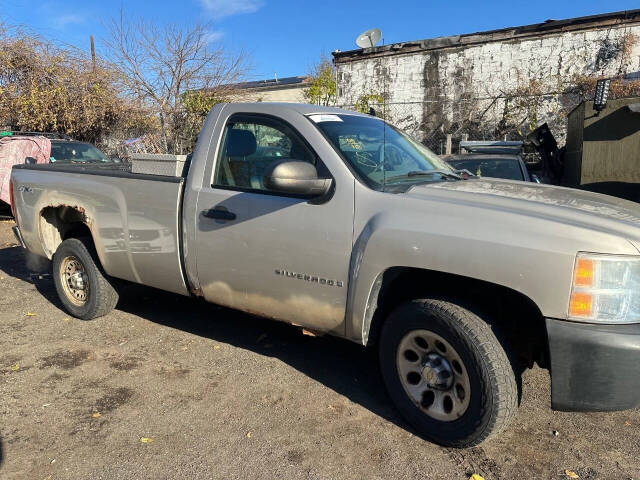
443, 84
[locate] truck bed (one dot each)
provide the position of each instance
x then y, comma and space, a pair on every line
134, 219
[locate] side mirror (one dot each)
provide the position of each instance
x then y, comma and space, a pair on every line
296, 177
535, 178
30, 160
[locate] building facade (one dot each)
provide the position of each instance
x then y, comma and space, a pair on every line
494, 83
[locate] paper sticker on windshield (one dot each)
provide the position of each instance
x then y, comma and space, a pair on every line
325, 118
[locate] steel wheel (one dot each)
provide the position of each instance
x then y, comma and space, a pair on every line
433, 375
74, 280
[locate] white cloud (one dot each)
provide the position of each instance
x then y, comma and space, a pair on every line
62, 21
226, 8
214, 36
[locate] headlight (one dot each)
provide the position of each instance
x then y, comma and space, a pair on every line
606, 289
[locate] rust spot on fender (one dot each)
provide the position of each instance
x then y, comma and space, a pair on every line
55, 218
66, 208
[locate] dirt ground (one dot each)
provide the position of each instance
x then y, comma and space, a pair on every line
170, 387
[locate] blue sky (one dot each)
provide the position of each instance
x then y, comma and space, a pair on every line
285, 37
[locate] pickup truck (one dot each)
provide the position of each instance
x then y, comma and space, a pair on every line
340, 223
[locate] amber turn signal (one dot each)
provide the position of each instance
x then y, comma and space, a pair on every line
583, 275
581, 304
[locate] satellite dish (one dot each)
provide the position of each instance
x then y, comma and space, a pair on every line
369, 39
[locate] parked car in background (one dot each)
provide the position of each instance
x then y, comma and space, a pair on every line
72, 151
495, 159
496, 165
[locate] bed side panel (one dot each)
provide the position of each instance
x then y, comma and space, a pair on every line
134, 221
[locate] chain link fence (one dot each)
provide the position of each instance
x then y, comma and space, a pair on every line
442, 125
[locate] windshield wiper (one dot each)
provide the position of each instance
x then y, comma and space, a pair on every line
444, 173
463, 171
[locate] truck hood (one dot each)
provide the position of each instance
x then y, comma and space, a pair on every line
561, 204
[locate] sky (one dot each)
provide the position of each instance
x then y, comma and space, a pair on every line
287, 37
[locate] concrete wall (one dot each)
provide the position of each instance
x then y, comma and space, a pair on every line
430, 84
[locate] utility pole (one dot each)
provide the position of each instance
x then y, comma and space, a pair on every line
93, 54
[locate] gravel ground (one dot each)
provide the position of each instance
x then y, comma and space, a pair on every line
224, 395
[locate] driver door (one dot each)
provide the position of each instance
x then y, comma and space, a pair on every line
273, 254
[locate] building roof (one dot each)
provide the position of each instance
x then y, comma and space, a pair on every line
510, 33
301, 108
272, 83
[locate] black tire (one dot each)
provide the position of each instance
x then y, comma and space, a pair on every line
493, 396
101, 296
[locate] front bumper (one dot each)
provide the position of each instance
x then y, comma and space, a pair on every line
594, 367
18, 234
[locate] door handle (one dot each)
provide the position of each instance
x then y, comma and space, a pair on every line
219, 214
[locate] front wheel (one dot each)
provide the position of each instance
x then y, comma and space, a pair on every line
83, 288
446, 372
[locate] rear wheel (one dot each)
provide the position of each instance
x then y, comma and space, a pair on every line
447, 373
84, 289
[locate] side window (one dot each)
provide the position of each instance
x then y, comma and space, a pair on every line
250, 145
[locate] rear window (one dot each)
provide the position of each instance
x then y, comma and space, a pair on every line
490, 167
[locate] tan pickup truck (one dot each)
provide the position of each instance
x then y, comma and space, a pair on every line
340, 223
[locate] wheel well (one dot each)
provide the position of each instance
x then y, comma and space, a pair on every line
59, 223
494, 303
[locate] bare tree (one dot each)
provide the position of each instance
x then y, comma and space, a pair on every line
160, 65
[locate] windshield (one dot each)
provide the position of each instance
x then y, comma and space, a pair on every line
76, 152
508, 168
381, 154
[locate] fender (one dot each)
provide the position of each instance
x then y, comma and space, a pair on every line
533, 255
